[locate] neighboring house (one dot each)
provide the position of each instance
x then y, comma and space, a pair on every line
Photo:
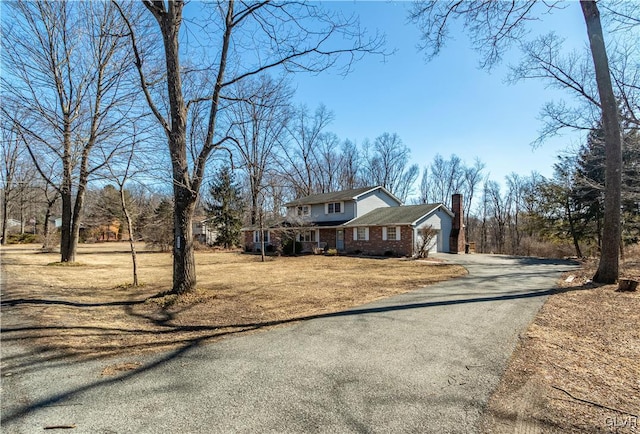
112, 231
204, 231
367, 220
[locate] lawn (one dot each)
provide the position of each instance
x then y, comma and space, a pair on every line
90, 310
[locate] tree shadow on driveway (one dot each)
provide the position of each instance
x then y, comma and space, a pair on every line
21, 363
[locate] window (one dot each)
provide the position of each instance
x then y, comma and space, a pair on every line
334, 208
361, 234
256, 236
308, 236
304, 210
391, 233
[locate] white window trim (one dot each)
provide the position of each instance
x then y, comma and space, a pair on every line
302, 213
326, 208
256, 236
366, 234
385, 236
316, 235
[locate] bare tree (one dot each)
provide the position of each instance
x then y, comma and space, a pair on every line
253, 38
349, 168
493, 26
447, 177
299, 165
425, 241
514, 204
443, 178
122, 169
328, 163
386, 163
11, 156
258, 120
609, 260
63, 84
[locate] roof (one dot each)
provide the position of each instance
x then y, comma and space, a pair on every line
337, 196
397, 215
285, 224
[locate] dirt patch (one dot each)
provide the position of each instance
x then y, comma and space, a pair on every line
577, 367
92, 311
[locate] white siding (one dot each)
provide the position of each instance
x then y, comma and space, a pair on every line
440, 221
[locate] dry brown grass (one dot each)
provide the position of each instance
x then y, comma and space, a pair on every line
577, 367
90, 310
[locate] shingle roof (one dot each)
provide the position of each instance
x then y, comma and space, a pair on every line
336, 196
395, 215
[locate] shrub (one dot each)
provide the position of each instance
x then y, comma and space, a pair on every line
23, 239
331, 252
389, 253
288, 246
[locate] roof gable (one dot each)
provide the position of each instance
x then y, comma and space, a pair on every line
338, 196
397, 215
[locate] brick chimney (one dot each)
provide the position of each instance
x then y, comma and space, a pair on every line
456, 239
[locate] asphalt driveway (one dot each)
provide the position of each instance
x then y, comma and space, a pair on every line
425, 361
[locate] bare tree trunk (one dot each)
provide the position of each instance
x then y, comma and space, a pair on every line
50, 202
574, 235
262, 246
132, 243
184, 261
608, 267
5, 217
67, 253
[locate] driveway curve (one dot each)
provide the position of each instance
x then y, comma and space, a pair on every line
425, 361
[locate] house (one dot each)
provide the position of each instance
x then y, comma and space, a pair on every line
367, 220
204, 231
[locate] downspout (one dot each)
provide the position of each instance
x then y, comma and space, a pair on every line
414, 240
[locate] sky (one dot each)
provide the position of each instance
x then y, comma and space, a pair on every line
445, 106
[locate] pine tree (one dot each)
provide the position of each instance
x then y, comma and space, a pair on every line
158, 231
589, 184
226, 208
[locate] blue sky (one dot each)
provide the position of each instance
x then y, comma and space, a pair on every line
446, 106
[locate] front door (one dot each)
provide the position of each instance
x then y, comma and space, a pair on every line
340, 239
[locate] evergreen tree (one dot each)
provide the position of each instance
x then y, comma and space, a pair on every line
158, 232
226, 208
589, 182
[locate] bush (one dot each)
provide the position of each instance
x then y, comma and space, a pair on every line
288, 245
23, 239
389, 253
331, 252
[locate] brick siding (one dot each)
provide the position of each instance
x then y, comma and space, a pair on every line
376, 246
274, 241
328, 236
